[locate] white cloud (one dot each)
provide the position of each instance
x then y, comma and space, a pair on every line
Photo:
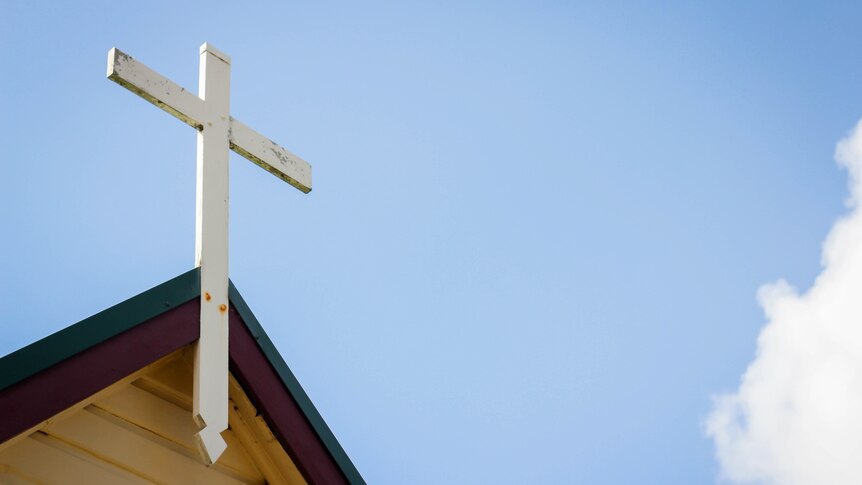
796, 418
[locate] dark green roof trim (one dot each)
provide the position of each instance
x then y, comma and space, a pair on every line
302, 400
53, 349
94, 330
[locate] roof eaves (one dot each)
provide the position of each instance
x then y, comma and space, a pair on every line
53, 349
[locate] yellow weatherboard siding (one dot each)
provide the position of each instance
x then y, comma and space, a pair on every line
140, 430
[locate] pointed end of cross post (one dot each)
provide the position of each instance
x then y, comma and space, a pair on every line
210, 444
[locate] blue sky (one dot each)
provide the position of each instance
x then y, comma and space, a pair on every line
537, 231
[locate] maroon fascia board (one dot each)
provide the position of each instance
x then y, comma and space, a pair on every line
42, 395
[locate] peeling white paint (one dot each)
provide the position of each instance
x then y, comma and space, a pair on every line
218, 133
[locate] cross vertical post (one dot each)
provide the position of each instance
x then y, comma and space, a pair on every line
211, 253
218, 132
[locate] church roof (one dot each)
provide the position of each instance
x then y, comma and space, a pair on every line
48, 376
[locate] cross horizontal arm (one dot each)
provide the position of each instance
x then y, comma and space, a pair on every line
270, 156
124, 70
169, 96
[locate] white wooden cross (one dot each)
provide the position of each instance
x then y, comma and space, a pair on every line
218, 132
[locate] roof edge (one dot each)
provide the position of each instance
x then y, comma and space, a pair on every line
94, 330
294, 388
126, 315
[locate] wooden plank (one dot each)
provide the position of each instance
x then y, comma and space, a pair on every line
126, 71
53, 462
154, 367
151, 413
134, 452
237, 459
257, 438
233, 462
172, 382
10, 476
175, 424
270, 156
210, 396
53, 390
245, 433
255, 450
